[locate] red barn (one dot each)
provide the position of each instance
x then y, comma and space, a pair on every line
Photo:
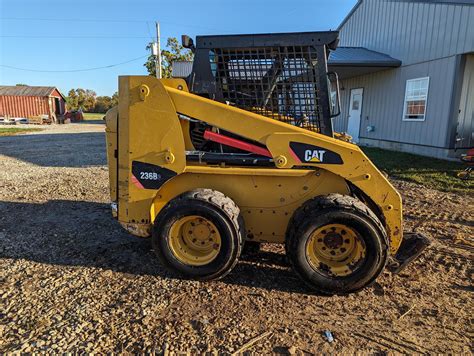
24, 101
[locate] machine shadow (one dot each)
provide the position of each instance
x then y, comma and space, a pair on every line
78, 233
92, 122
57, 150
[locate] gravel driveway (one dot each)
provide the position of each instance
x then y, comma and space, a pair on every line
72, 280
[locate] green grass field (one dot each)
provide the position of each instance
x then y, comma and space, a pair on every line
10, 131
429, 172
92, 116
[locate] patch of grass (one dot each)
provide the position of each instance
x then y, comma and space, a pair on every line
10, 131
92, 116
429, 172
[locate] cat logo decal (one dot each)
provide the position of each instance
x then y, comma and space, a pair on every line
314, 156
306, 153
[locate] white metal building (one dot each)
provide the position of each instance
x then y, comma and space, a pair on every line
424, 105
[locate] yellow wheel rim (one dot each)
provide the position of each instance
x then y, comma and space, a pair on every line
194, 240
335, 250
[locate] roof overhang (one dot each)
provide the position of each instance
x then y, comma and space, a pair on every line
350, 62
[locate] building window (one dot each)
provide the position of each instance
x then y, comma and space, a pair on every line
416, 95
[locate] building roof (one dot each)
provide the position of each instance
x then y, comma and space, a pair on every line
181, 69
360, 56
451, 2
350, 62
26, 90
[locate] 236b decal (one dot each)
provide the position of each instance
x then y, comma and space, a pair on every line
150, 176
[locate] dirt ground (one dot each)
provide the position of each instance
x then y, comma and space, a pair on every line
72, 280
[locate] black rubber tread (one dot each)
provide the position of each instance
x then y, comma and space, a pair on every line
333, 200
224, 204
314, 207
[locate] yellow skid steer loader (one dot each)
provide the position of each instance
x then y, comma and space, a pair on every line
243, 151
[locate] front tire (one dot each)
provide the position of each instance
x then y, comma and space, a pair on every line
199, 234
336, 244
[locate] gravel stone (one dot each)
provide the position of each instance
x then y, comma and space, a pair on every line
72, 280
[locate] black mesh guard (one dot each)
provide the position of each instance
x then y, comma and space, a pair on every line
277, 82
282, 76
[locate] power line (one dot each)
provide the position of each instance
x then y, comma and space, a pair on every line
72, 70
79, 36
110, 21
65, 19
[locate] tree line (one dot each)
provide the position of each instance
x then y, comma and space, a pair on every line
88, 101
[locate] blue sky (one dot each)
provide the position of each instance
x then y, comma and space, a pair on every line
68, 35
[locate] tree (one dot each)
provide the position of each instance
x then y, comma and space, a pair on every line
115, 99
83, 99
104, 103
72, 100
21, 85
174, 52
89, 100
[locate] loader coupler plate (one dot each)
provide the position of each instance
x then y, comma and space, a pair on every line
412, 246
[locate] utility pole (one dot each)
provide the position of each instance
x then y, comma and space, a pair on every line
158, 56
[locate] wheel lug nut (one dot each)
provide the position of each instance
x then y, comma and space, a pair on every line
332, 253
346, 241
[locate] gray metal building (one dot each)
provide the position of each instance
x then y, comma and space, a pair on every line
423, 104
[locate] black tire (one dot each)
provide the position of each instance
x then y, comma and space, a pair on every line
213, 206
336, 209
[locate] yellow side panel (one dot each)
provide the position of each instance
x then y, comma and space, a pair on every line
267, 202
111, 141
150, 132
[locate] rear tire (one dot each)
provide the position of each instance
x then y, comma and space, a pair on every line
336, 244
199, 234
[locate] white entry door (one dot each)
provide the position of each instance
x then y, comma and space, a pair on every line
355, 112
